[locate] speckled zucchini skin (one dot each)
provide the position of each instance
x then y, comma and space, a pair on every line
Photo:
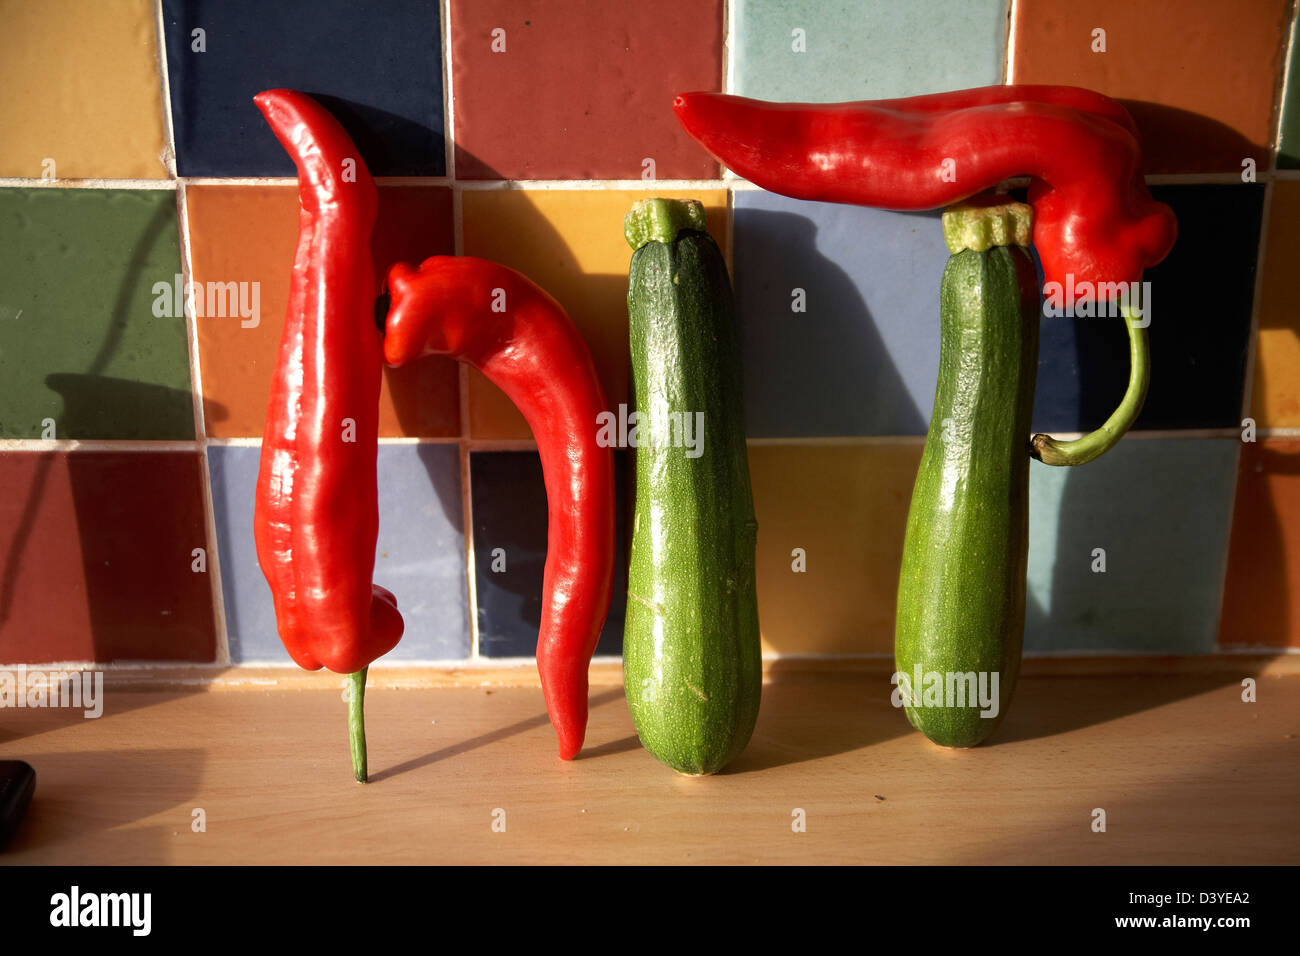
961, 592
691, 655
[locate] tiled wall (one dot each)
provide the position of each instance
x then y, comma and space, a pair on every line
132, 154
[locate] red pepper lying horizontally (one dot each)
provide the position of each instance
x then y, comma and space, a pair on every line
497, 320
1094, 219
317, 516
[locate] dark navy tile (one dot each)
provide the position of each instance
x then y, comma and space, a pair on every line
510, 525
376, 65
1200, 326
420, 555
863, 358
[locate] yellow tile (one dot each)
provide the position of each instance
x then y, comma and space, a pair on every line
570, 242
1275, 395
846, 507
80, 85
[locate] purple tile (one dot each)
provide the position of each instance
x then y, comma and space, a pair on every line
420, 555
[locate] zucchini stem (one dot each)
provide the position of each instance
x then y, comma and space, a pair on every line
357, 722
1082, 450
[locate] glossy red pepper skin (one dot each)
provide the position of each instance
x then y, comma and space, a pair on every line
500, 322
1094, 218
316, 518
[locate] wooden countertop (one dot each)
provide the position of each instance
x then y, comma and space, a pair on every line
1186, 772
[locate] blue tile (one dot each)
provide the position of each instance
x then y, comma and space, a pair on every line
377, 66
421, 552
863, 358
1160, 508
865, 49
510, 519
1200, 326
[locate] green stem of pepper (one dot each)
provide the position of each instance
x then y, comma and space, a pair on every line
1082, 450
357, 722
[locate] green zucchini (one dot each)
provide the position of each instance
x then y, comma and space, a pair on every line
691, 656
961, 591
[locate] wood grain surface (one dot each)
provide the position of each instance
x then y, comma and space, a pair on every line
1186, 772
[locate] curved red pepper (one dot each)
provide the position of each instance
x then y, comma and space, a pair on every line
1094, 219
317, 516
503, 324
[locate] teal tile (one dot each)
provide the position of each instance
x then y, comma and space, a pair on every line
866, 49
1160, 508
84, 340
1288, 133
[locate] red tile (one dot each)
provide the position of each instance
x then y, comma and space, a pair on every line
1199, 76
583, 89
98, 558
1264, 556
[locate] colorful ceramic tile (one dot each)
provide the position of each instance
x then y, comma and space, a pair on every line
106, 558
581, 89
1264, 559
1288, 133
570, 242
1275, 391
510, 553
378, 69
89, 348
838, 307
81, 91
247, 235
1199, 334
831, 521
420, 556
814, 51
1199, 76
1156, 512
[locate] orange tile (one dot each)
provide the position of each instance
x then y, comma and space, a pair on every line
570, 242
1275, 394
248, 234
80, 85
1199, 76
846, 507
1264, 555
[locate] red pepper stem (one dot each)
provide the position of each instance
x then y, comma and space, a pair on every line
1082, 450
357, 722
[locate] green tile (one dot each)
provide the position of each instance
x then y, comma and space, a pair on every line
79, 340
866, 49
1288, 133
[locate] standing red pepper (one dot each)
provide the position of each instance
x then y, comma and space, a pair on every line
317, 516
1095, 223
508, 328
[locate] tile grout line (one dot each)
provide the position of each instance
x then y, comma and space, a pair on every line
729, 14
448, 95
23, 182
1009, 38
471, 444
1247, 395
726, 180
196, 375
1252, 339
464, 441
164, 77
222, 649
200, 434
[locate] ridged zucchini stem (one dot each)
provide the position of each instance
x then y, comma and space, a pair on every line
660, 220
1082, 450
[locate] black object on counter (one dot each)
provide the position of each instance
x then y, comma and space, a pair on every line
17, 784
